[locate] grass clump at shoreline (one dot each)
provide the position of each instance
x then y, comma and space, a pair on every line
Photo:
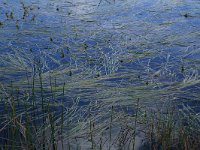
34, 120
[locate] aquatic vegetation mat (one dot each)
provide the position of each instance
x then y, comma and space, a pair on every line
106, 74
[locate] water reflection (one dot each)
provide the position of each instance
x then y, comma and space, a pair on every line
94, 56
127, 36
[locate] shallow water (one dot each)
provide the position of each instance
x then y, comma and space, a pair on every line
115, 52
132, 46
108, 53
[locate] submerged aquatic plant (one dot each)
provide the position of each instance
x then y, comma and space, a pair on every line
98, 83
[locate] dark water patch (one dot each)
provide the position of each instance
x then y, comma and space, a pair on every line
192, 88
